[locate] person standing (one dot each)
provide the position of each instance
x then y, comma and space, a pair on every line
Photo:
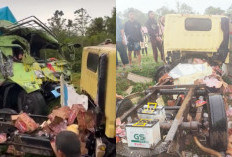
121, 43
144, 44
153, 31
161, 27
134, 37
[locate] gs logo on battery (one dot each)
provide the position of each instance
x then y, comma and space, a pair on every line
139, 137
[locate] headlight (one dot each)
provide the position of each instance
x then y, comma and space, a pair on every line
39, 74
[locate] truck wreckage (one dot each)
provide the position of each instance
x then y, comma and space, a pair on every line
189, 105
197, 109
24, 128
31, 63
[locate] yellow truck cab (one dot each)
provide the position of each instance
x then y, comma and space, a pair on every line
98, 81
204, 36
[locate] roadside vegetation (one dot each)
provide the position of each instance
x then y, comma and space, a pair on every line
84, 30
149, 67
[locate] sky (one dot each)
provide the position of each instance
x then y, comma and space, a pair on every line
44, 9
198, 6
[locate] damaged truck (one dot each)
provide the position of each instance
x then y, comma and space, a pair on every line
195, 36
29, 74
30, 77
185, 112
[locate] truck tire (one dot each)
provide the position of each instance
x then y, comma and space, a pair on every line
33, 103
218, 134
123, 106
7, 111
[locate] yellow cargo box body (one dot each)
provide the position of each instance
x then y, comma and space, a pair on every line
89, 81
193, 34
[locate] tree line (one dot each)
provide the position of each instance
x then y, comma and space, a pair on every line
83, 29
181, 8
90, 31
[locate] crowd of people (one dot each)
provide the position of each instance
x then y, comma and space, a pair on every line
133, 37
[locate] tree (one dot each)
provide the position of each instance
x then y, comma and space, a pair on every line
69, 26
101, 29
139, 16
57, 21
214, 11
229, 10
110, 23
184, 8
97, 26
57, 25
164, 10
82, 19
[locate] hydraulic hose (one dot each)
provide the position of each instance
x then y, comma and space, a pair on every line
205, 149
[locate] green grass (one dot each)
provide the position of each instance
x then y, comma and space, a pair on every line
149, 67
122, 83
141, 87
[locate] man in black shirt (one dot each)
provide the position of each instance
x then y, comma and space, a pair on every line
134, 37
67, 144
153, 31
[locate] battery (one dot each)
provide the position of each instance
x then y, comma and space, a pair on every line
152, 112
143, 134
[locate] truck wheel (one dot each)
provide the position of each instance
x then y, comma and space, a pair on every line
218, 137
123, 106
7, 111
33, 103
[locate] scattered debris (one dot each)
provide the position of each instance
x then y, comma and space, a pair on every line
129, 90
164, 78
171, 102
75, 118
120, 130
183, 78
211, 81
25, 124
188, 73
138, 79
3, 137
200, 102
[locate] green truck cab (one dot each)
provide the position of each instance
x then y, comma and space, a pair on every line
28, 77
